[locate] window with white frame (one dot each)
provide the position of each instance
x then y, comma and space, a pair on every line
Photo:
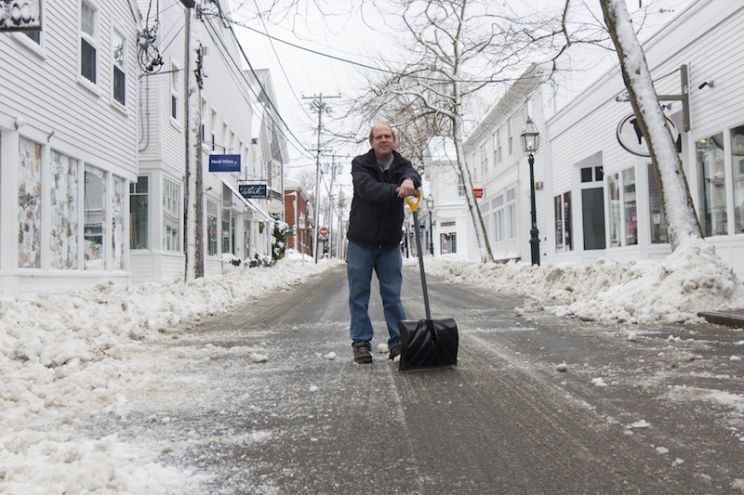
498, 152
509, 141
484, 160
29, 204
737, 162
498, 203
94, 198
460, 186
119, 76
710, 160
35, 36
656, 211
212, 227
138, 213
563, 227
494, 147
171, 215
88, 42
64, 202
511, 213
175, 89
117, 222
615, 206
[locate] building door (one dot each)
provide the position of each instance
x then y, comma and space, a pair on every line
592, 208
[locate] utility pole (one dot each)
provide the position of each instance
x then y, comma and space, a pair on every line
320, 107
189, 209
199, 171
193, 214
331, 204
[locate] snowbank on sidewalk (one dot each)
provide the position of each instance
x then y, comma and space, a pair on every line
67, 356
674, 289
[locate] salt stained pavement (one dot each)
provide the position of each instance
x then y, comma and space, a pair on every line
64, 357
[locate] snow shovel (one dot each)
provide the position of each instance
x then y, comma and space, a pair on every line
426, 344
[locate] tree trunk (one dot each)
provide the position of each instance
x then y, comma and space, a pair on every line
678, 206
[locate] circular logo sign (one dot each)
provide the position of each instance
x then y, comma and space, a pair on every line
631, 138
323, 231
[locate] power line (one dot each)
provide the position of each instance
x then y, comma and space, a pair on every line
258, 80
219, 41
372, 67
281, 66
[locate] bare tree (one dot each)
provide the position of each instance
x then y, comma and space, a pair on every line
457, 48
680, 212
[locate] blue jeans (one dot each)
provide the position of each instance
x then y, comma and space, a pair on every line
388, 264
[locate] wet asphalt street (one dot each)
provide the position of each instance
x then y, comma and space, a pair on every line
661, 412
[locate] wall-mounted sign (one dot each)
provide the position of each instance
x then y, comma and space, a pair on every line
224, 163
631, 138
478, 192
20, 15
254, 190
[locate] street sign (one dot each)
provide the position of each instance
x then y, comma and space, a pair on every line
224, 163
478, 192
254, 190
323, 231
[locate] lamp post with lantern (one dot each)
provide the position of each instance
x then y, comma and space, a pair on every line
530, 142
429, 206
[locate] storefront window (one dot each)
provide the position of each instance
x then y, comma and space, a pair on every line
613, 194
710, 160
171, 215
29, 205
95, 214
117, 225
63, 239
737, 161
629, 207
211, 228
226, 230
563, 226
656, 210
138, 212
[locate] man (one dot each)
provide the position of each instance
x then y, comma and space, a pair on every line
381, 178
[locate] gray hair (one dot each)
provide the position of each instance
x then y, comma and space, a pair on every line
381, 123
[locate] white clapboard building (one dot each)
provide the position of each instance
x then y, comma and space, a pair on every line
68, 146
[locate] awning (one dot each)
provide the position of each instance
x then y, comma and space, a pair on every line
250, 204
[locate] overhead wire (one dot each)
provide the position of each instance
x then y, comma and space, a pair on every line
255, 75
372, 67
225, 53
281, 66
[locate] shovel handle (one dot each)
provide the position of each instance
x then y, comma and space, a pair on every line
413, 205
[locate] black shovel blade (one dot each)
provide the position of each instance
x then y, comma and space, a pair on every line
426, 344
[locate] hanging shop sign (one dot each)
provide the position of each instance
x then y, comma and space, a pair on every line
254, 190
631, 138
224, 163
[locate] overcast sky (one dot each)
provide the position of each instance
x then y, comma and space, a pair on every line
344, 32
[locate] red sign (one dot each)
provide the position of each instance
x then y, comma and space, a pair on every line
478, 192
323, 231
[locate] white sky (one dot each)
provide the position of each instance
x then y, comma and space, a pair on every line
70, 356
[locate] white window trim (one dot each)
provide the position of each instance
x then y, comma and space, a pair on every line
177, 92
93, 40
116, 33
38, 49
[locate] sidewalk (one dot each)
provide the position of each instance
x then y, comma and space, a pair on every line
732, 318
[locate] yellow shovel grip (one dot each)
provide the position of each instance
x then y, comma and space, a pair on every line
413, 205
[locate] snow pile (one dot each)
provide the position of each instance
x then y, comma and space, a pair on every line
64, 357
675, 289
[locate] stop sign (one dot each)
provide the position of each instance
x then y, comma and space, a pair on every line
323, 231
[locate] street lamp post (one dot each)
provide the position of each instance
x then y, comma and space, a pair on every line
429, 206
530, 142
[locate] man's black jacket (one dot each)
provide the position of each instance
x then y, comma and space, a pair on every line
376, 214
